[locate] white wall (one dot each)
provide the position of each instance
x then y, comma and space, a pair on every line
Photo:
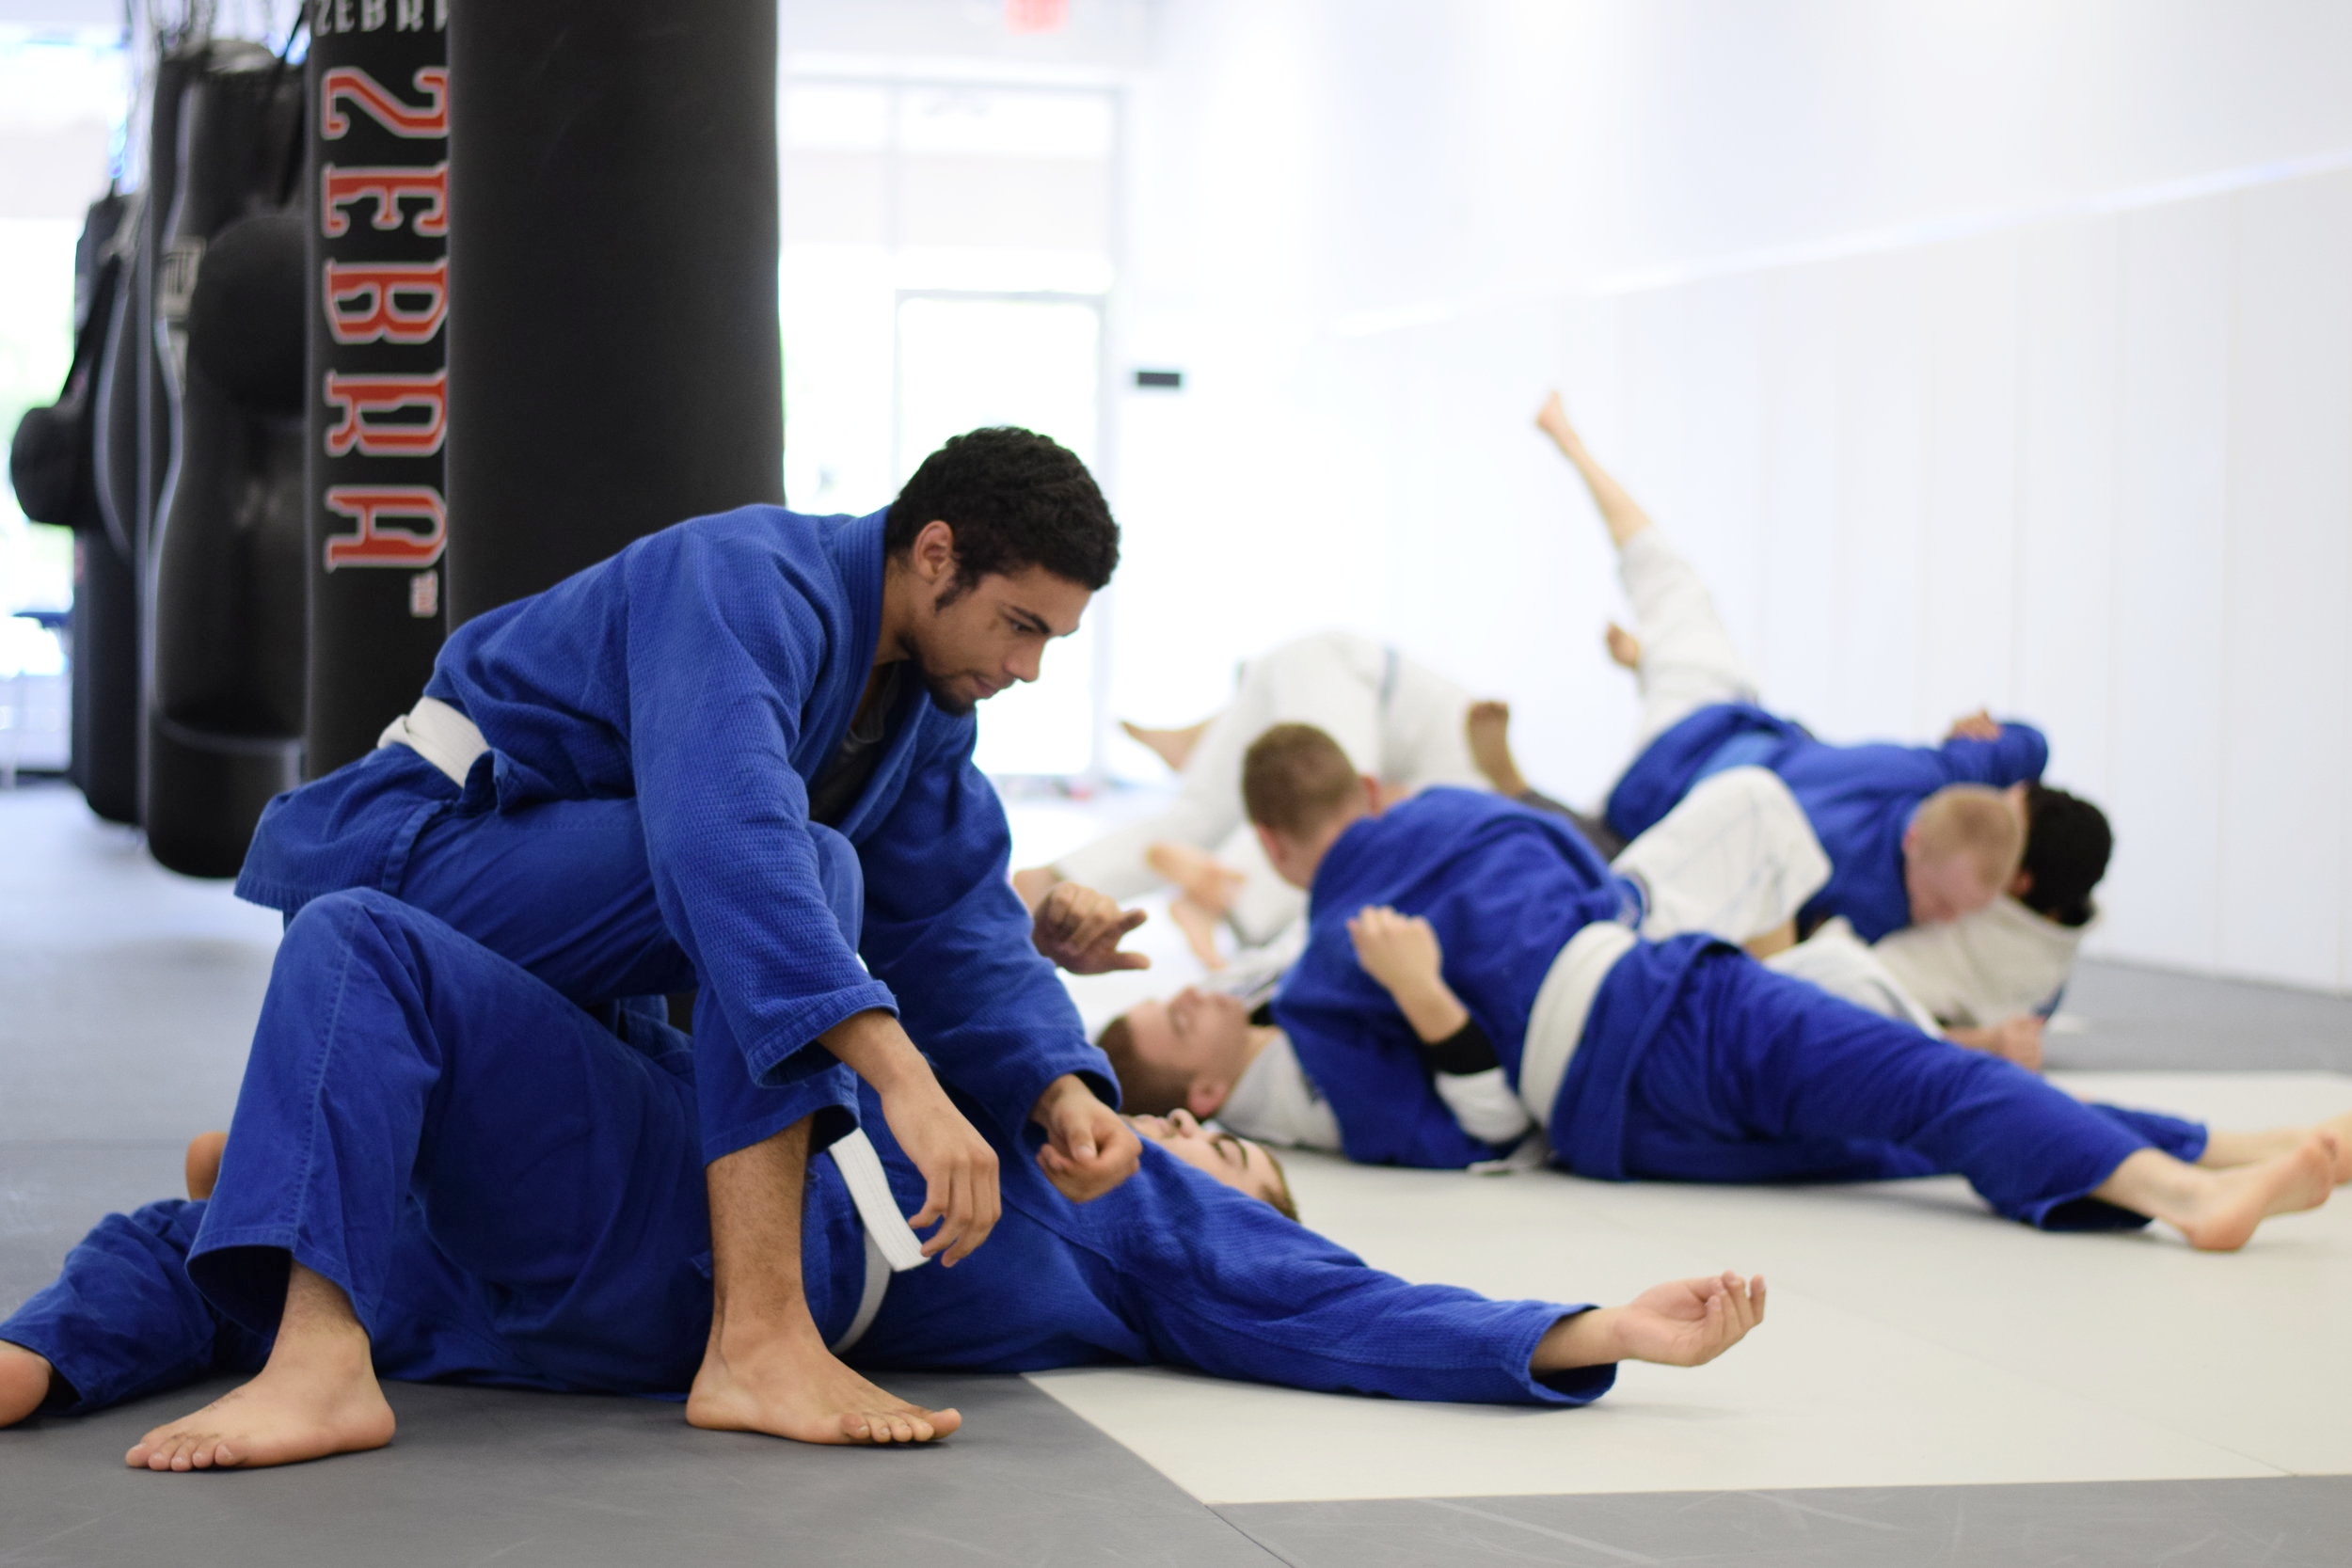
1981, 353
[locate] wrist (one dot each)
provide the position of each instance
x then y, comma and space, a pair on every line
1431, 1007
1587, 1339
873, 1046
1054, 1093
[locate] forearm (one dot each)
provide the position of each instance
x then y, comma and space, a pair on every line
874, 1046
1430, 1007
1587, 1339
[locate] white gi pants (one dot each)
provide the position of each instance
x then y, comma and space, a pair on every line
1736, 859
1688, 660
1397, 721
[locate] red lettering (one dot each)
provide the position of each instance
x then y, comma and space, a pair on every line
398, 302
350, 81
387, 188
368, 408
379, 537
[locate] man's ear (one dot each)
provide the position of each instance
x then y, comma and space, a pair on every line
1206, 1097
1911, 841
1376, 797
932, 555
2021, 884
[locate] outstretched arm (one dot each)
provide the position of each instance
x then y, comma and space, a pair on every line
1617, 509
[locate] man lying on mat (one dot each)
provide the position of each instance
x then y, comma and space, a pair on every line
439, 1168
1458, 936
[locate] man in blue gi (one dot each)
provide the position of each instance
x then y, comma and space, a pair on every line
1915, 834
627, 785
1458, 935
441, 1168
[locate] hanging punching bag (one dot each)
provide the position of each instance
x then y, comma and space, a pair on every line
225, 618
57, 470
613, 362
378, 383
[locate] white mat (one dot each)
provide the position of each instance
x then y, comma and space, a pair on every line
1914, 1339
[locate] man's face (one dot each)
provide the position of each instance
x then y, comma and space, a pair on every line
1198, 1034
1944, 889
971, 644
1236, 1162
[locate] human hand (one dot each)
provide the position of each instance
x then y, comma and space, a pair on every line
1400, 951
1980, 725
1081, 930
1089, 1150
2018, 1041
1685, 1323
1033, 882
959, 1169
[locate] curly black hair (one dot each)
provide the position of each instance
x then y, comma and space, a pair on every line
2067, 845
1015, 500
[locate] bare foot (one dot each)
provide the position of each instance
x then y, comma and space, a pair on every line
2224, 1216
1199, 926
1199, 875
2225, 1149
1488, 727
203, 1165
803, 1392
1553, 420
1173, 747
24, 1383
1625, 649
315, 1401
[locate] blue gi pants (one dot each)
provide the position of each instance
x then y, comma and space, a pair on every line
1757, 1077
508, 1192
563, 889
398, 1063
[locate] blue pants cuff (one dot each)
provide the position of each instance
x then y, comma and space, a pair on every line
757, 1114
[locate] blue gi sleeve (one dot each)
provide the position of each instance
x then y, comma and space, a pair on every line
1368, 1063
724, 649
1233, 1288
944, 930
2018, 757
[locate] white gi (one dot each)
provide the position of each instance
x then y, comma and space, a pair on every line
1398, 721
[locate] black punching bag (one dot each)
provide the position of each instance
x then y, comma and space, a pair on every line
225, 551
613, 363
378, 398
61, 477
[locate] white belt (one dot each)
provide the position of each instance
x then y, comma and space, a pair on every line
1561, 1004
890, 1244
440, 734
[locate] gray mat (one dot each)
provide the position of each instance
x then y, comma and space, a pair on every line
2287, 1523
2121, 1016
533, 1481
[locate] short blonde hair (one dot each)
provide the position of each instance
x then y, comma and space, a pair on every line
1295, 779
1974, 821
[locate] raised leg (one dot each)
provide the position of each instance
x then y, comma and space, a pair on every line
316, 1395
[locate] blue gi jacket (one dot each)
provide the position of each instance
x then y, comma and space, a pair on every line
1859, 799
711, 671
1504, 887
